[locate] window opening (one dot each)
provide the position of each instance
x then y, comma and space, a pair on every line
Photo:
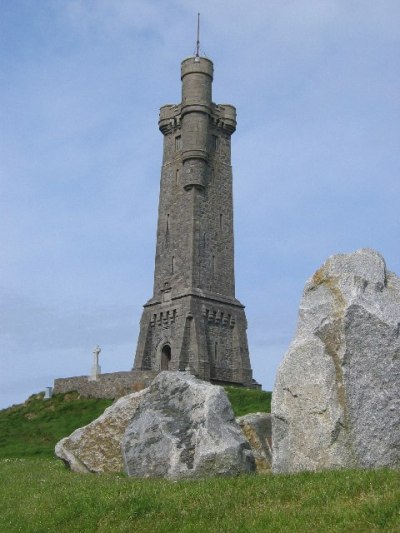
178, 143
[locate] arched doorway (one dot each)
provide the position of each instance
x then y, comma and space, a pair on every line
165, 357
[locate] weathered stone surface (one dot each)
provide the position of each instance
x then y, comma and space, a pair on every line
97, 446
336, 400
257, 430
185, 428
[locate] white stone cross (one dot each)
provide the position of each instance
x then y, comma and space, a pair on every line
96, 368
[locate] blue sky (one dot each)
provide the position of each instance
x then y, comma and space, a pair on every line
315, 158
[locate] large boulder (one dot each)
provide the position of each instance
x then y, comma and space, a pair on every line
257, 430
97, 446
185, 428
336, 401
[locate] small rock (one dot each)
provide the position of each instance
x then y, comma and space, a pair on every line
257, 430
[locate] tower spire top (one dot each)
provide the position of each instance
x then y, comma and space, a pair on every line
198, 37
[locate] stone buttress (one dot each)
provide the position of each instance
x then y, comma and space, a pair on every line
193, 321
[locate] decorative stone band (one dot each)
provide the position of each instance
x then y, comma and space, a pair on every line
218, 317
199, 293
164, 318
194, 154
196, 108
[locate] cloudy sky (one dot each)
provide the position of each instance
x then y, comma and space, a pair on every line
316, 163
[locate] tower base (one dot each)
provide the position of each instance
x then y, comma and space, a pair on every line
199, 333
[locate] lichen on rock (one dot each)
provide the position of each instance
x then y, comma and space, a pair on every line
256, 428
97, 446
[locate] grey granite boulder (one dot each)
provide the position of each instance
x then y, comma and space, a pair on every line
97, 446
336, 401
257, 430
185, 428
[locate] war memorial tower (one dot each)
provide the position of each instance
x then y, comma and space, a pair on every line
193, 320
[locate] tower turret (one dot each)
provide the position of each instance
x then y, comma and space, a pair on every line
197, 76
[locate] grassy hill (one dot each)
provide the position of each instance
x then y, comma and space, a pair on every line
38, 493
33, 428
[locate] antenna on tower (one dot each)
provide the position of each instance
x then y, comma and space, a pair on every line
197, 56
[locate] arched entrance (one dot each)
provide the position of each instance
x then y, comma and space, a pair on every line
165, 357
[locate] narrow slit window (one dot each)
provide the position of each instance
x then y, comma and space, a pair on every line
178, 143
216, 351
173, 264
213, 264
220, 221
214, 141
167, 229
177, 176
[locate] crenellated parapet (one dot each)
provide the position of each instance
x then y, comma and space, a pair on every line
170, 118
222, 116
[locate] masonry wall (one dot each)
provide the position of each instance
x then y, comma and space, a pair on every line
195, 225
112, 385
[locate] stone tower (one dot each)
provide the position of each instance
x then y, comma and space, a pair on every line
193, 320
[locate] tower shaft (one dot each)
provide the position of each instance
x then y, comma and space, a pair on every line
193, 318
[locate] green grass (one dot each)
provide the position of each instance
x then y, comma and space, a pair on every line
34, 427
41, 495
246, 401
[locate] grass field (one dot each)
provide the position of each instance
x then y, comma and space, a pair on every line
38, 494
41, 495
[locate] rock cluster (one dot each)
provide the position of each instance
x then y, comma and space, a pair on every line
336, 400
179, 427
